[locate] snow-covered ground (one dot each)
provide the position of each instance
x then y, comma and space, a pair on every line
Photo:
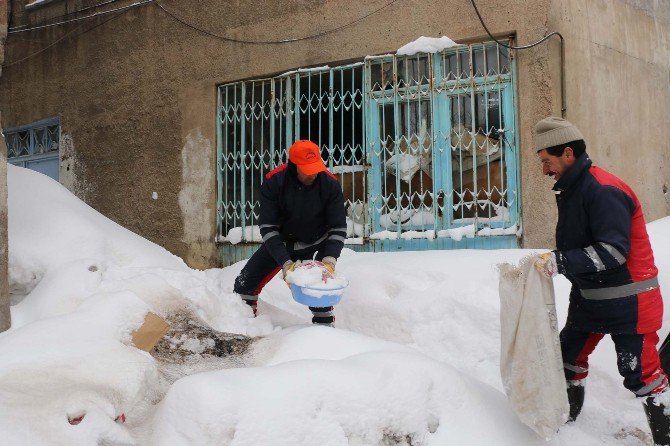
414, 357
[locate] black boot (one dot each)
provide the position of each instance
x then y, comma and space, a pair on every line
323, 316
659, 422
576, 400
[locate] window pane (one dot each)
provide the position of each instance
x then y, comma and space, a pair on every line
504, 60
407, 161
451, 66
478, 171
381, 75
413, 71
464, 63
478, 62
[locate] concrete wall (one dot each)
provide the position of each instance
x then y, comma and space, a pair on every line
618, 92
137, 97
5, 320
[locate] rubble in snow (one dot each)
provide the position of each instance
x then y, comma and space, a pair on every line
191, 346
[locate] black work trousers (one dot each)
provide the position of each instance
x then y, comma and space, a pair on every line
262, 267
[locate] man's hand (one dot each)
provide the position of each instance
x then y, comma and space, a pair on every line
329, 262
288, 267
546, 264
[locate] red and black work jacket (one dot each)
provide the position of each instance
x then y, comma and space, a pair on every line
604, 250
299, 217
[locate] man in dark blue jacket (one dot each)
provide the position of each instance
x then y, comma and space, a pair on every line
604, 250
301, 214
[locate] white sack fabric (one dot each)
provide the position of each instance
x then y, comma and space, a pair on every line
531, 365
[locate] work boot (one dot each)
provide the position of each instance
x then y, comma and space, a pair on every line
659, 422
323, 316
576, 400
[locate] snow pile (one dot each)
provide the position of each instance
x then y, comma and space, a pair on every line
62, 252
414, 358
79, 364
49, 228
345, 389
426, 45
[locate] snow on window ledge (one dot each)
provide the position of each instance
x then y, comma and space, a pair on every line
455, 234
252, 234
426, 45
236, 235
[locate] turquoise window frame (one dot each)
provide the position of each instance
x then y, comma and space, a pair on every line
287, 100
34, 145
439, 91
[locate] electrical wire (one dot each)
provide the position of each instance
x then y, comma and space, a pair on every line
63, 38
78, 11
521, 47
272, 42
78, 19
564, 106
126, 8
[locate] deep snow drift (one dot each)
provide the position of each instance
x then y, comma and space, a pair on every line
414, 358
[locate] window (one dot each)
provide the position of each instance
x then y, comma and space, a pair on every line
260, 119
424, 146
35, 146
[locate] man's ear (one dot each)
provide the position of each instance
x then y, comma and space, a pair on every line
568, 153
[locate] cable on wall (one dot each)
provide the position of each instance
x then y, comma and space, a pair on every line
66, 35
272, 42
78, 19
523, 47
78, 11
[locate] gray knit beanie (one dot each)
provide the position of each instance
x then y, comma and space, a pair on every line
553, 131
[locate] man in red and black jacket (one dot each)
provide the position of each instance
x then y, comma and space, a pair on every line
301, 214
604, 250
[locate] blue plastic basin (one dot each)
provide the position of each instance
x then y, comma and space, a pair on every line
325, 300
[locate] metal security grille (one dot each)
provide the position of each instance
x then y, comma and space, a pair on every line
440, 138
424, 146
260, 119
35, 146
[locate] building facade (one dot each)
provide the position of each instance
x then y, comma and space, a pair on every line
165, 115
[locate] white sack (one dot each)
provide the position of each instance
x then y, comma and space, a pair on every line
531, 365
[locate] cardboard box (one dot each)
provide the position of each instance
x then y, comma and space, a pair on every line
152, 330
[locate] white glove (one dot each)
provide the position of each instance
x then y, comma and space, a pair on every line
546, 264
